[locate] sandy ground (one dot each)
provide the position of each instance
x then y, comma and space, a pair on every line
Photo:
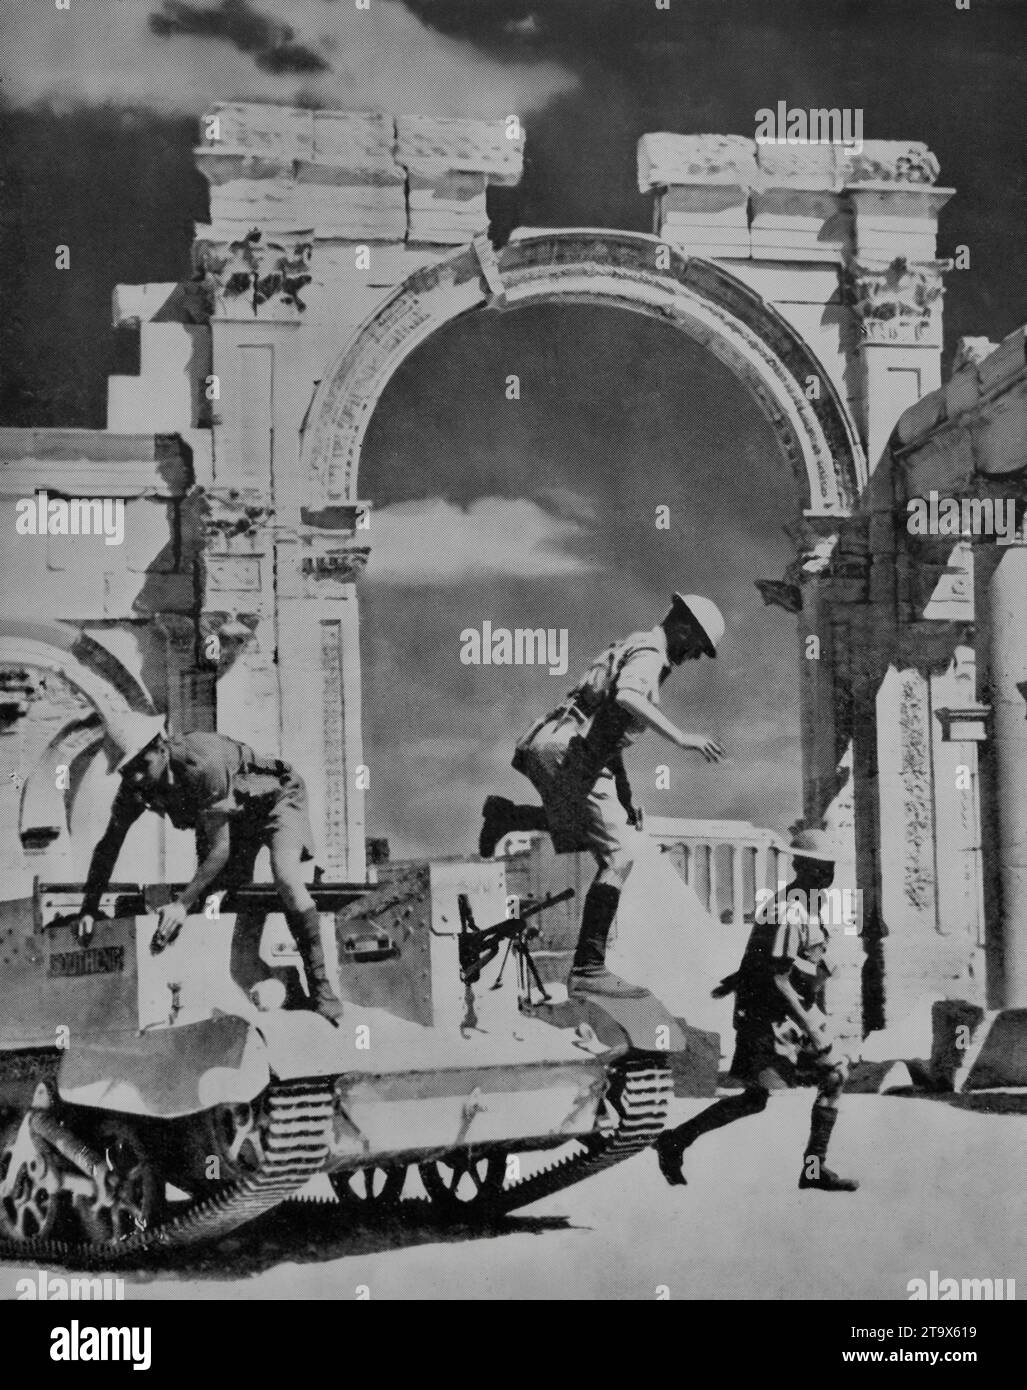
942, 1188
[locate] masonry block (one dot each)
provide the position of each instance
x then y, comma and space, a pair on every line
957, 1034
798, 224
1001, 1059
667, 160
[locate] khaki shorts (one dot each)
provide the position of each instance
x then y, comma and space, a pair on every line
582, 809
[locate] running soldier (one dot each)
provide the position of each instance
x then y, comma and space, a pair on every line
781, 1034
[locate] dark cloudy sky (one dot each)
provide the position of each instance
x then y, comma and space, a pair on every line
541, 509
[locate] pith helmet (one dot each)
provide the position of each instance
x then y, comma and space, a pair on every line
705, 616
813, 844
129, 733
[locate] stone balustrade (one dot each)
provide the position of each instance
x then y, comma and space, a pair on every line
723, 861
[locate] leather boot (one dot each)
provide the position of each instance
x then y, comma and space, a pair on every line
500, 816
589, 974
672, 1143
815, 1172
306, 929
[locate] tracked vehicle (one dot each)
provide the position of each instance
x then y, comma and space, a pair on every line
150, 1102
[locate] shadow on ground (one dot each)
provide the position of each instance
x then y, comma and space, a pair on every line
982, 1102
318, 1233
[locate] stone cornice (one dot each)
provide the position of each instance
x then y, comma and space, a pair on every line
967, 402
93, 463
667, 160
343, 176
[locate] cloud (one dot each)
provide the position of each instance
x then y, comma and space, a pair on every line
570, 505
433, 542
181, 57
251, 31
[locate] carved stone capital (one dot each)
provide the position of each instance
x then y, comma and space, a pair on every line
254, 271
890, 161
230, 515
897, 303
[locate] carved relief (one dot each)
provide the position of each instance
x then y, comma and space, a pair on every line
333, 723
758, 346
897, 303
230, 515
891, 161
331, 570
918, 876
252, 271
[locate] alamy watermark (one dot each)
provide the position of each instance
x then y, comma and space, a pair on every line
78, 1343
944, 1290
820, 125
520, 646
44, 515
55, 1288
934, 515
832, 907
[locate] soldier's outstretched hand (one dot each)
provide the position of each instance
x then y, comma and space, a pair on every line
708, 747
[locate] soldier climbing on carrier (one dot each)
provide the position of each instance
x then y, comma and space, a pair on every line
236, 802
574, 759
781, 1037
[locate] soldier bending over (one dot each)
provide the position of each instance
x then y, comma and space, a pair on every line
236, 802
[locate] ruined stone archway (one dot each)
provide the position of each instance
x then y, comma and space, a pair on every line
623, 270
58, 687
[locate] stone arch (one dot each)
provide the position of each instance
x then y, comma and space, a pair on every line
97, 673
105, 686
625, 270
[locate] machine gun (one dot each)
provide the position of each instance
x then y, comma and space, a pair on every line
478, 946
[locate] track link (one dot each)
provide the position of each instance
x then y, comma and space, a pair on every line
295, 1149
640, 1096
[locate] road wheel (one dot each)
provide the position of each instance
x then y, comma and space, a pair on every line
30, 1185
463, 1186
376, 1188
135, 1198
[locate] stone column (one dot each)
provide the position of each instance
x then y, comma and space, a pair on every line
1001, 595
319, 672
893, 281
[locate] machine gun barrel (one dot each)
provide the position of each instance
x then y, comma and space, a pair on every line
550, 900
477, 946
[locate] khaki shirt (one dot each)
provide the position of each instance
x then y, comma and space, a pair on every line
639, 663
209, 778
